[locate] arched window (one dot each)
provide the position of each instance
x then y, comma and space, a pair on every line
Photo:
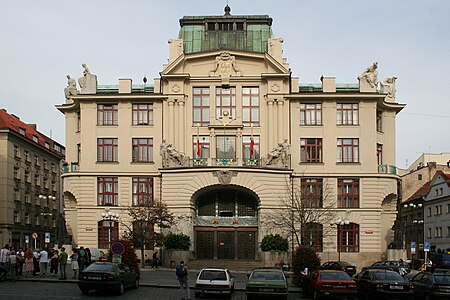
226, 203
312, 235
108, 232
348, 238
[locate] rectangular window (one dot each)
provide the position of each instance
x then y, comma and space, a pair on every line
107, 191
429, 233
27, 197
311, 192
226, 146
429, 211
16, 195
143, 114
142, 150
347, 114
201, 147
310, 114
379, 121
22, 131
78, 121
313, 236
107, 114
16, 217
27, 218
348, 193
36, 160
143, 232
448, 208
108, 231
16, 151
379, 154
348, 238
47, 145
27, 156
225, 101
250, 106
35, 139
448, 230
200, 106
16, 173
247, 145
142, 190
107, 149
347, 150
311, 150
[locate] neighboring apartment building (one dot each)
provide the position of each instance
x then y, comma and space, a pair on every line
226, 137
30, 169
437, 212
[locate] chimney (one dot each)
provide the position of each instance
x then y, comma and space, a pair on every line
34, 126
328, 84
125, 86
15, 116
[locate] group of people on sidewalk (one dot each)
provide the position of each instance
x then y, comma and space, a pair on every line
40, 262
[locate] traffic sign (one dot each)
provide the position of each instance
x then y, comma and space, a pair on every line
47, 237
427, 246
27, 239
413, 246
34, 235
117, 248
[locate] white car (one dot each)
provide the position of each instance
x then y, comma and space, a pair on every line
214, 281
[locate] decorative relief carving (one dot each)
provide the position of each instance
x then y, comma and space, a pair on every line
225, 66
225, 176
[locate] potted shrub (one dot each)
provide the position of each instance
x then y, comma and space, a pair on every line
176, 248
274, 248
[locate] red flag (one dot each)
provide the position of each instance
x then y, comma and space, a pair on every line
252, 147
199, 151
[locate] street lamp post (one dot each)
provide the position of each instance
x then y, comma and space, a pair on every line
111, 217
338, 224
47, 212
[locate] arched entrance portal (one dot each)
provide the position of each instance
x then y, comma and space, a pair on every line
226, 223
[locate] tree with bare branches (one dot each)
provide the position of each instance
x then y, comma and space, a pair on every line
144, 218
308, 205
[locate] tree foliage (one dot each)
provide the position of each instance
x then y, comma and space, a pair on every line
129, 257
144, 218
274, 242
178, 241
304, 256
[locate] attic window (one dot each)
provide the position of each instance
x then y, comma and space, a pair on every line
225, 26
47, 145
36, 139
22, 131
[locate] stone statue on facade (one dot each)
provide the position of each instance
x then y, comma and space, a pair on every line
71, 89
170, 154
88, 83
280, 153
370, 75
388, 87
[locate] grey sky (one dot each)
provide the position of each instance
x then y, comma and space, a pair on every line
43, 41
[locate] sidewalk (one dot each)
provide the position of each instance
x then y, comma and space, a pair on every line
161, 277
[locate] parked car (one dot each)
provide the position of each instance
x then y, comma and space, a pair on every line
214, 281
107, 276
382, 284
266, 282
332, 283
429, 285
339, 265
96, 254
392, 265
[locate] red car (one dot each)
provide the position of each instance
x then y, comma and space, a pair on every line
332, 284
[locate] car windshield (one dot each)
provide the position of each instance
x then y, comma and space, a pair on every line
100, 268
442, 279
213, 275
265, 275
334, 276
387, 276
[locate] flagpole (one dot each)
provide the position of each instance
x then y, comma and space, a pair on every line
252, 152
198, 140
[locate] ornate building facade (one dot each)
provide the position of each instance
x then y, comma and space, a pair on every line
228, 138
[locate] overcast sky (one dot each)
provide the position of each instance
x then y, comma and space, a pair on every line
43, 41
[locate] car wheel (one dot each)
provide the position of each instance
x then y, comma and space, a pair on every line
121, 289
136, 284
84, 291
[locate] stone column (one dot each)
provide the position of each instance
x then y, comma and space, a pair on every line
181, 132
170, 121
270, 125
281, 120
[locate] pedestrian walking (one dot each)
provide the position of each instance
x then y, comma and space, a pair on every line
13, 266
36, 269
81, 258
155, 260
182, 274
75, 267
20, 261
29, 264
63, 263
43, 262
54, 262
4, 258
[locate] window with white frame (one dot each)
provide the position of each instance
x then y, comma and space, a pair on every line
250, 106
225, 101
429, 233
200, 106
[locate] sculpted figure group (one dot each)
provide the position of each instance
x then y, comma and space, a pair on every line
280, 153
88, 84
170, 154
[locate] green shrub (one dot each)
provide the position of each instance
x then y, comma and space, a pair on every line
178, 241
304, 256
274, 243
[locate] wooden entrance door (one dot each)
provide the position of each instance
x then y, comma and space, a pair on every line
246, 244
205, 244
225, 245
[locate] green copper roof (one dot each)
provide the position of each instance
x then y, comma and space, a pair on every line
210, 33
340, 88
114, 88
